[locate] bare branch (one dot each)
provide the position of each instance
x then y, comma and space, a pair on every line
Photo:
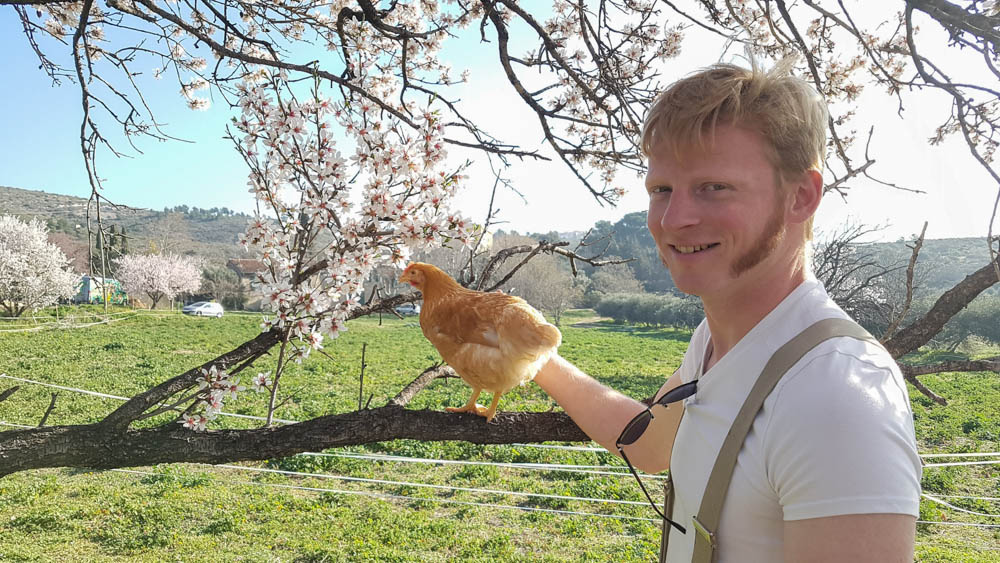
894, 324
8, 392
948, 305
923, 388
95, 447
48, 411
989, 364
404, 397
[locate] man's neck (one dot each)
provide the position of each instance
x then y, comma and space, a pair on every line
731, 316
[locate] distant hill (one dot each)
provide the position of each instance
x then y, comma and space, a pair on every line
212, 234
942, 262
945, 261
208, 233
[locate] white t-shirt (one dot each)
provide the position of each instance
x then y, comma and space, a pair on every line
834, 437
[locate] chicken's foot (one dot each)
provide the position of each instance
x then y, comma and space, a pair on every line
472, 407
492, 411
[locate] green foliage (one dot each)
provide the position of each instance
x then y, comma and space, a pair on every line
632, 240
208, 233
224, 285
980, 319
655, 310
192, 512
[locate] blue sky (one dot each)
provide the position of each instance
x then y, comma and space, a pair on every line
40, 150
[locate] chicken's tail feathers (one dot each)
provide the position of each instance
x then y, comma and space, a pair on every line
524, 331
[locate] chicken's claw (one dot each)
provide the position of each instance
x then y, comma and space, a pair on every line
474, 409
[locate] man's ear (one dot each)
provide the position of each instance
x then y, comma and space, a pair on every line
806, 191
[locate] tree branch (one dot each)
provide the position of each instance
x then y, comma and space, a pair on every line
909, 285
924, 389
417, 385
94, 446
948, 305
989, 364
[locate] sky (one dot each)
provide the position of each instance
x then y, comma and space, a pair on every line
40, 150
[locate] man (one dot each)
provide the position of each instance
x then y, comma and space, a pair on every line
829, 470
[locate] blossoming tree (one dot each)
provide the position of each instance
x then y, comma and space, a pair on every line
160, 276
33, 272
351, 159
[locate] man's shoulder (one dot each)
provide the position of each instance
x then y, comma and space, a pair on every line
843, 371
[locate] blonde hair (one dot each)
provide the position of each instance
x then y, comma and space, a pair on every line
786, 111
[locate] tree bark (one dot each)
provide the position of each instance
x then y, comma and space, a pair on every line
94, 446
947, 306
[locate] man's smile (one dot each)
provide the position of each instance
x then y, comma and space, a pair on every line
693, 249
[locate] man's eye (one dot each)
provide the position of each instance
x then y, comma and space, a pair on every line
660, 190
716, 187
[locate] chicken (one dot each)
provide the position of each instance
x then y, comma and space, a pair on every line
494, 341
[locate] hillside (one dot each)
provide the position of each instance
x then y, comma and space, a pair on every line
942, 263
208, 233
212, 234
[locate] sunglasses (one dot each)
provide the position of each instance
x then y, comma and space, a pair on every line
634, 429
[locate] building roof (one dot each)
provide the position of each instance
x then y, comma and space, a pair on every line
246, 266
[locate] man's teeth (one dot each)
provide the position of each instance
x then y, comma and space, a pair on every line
690, 249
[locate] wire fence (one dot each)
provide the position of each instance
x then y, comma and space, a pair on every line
35, 324
218, 470
78, 319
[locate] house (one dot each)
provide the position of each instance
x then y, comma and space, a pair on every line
247, 270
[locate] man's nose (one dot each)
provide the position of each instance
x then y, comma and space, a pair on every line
680, 212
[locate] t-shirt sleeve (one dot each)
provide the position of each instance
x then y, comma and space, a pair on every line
839, 440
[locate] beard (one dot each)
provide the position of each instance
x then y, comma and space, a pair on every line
762, 248
765, 245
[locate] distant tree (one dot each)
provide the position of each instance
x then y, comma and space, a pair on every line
542, 282
629, 238
166, 233
160, 276
33, 272
877, 287
615, 278
223, 285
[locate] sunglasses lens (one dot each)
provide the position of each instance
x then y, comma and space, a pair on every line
635, 428
678, 393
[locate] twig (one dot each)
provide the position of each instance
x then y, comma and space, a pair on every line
923, 389
909, 285
48, 411
361, 384
8, 392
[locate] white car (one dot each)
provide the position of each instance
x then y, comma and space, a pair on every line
203, 309
408, 309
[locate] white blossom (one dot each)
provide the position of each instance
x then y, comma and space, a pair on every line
160, 276
33, 272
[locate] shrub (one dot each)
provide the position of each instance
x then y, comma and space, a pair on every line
649, 309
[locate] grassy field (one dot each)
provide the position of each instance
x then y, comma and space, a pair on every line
420, 511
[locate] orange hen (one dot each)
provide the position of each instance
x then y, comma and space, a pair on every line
494, 341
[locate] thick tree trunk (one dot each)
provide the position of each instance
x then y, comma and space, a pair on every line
95, 446
947, 306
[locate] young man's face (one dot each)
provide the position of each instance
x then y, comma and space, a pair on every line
717, 216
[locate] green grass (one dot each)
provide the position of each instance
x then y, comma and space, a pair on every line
195, 512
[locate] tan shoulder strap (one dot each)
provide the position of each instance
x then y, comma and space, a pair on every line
706, 523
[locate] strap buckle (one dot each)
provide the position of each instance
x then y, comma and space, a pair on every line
707, 535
